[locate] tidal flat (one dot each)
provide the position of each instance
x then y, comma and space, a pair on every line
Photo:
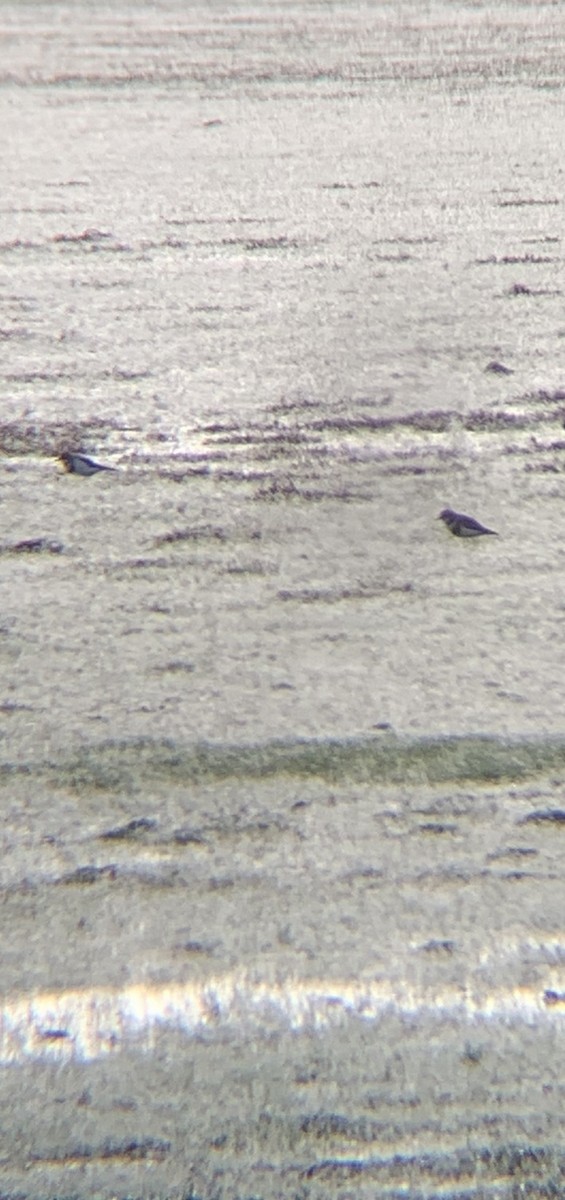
282, 762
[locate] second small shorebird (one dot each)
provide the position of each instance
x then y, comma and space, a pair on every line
463, 526
79, 464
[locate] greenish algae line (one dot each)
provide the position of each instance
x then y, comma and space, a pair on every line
119, 765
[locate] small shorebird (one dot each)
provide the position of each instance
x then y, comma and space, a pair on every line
79, 464
463, 526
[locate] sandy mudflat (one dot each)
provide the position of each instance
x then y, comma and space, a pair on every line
282, 763
290, 986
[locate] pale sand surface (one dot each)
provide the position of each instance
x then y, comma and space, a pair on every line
259, 937
170, 913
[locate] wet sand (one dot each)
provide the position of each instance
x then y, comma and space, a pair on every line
282, 761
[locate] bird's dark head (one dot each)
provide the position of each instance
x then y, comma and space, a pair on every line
446, 514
